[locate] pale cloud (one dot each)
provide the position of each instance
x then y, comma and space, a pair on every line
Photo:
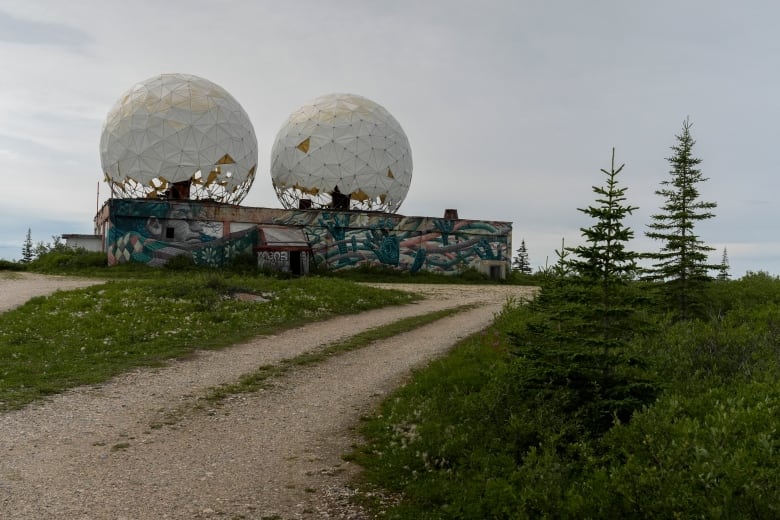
511, 107
20, 30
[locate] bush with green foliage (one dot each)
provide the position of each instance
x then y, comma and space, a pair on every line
470, 438
181, 263
704, 455
6, 265
67, 260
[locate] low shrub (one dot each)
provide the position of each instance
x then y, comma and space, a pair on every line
68, 260
708, 455
486, 434
181, 263
6, 265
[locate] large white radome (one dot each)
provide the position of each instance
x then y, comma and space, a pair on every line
178, 128
342, 141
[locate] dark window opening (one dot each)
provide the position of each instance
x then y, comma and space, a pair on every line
295, 262
169, 232
339, 200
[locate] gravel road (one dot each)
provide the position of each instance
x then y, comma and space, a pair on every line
105, 452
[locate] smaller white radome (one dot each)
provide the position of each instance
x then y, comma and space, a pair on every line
178, 136
341, 151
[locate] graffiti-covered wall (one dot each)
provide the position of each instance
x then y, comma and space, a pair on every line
213, 234
153, 232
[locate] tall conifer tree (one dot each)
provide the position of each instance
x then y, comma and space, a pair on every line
521, 262
723, 269
27, 248
681, 262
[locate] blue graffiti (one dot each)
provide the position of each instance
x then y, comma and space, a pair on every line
337, 225
445, 227
387, 248
484, 251
419, 260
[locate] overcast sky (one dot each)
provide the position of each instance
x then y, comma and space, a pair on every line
511, 107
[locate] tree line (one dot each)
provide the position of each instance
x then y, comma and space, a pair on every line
680, 265
30, 252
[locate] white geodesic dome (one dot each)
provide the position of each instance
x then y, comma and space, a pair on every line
343, 144
178, 136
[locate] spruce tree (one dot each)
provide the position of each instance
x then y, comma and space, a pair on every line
605, 260
681, 264
521, 262
605, 263
27, 248
724, 268
572, 346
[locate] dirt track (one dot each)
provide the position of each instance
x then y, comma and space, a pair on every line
101, 452
16, 288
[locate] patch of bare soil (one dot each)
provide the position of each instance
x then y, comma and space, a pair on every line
18, 287
107, 452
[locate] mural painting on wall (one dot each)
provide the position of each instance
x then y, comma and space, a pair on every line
341, 240
153, 233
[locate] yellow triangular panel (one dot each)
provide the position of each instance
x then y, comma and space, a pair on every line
390, 173
304, 145
212, 176
304, 189
359, 195
226, 159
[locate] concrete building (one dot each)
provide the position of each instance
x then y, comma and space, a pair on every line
180, 154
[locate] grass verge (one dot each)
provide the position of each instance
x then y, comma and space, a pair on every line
89, 335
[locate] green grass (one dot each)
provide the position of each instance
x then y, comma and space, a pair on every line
259, 378
89, 335
423, 434
468, 438
469, 276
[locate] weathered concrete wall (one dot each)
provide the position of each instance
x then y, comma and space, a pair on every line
212, 234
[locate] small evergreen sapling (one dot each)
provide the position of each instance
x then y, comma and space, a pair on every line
605, 260
605, 263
